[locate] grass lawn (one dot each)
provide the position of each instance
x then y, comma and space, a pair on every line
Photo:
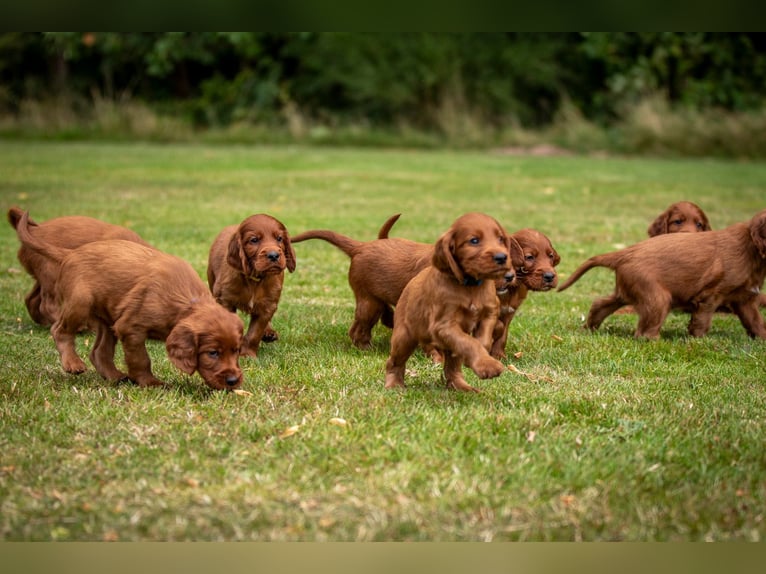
601, 437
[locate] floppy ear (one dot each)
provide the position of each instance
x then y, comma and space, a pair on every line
181, 345
705, 222
758, 232
517, 253
236, 255
444, 256
556, 257
659, 226
290, 258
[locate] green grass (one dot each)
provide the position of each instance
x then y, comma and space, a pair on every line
605, 438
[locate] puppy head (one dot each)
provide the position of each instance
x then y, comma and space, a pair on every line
475, 247
261, 246
680, 217
538, 267
208, 341
758, 232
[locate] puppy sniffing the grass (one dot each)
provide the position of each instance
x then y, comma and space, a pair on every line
130, 292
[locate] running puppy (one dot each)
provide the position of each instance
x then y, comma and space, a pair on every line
451, 305
695, 272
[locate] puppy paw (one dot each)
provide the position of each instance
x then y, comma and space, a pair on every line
270, 335
488, 368
74, 365
394, 382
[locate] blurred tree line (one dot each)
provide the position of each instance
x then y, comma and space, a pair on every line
218, 78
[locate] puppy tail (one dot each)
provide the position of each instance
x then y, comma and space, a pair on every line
383, 233
595, 261
28, 239
14, 216
342, 242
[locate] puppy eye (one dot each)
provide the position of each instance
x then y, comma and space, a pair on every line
529, 257
676, 222
254, 240
699, 225
213, 354
279, 239
474, 240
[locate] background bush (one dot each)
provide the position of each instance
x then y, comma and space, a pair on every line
462, 89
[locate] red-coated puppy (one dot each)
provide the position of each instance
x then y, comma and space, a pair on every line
695, 272
451, 306
680, 217
130, 292
246, 269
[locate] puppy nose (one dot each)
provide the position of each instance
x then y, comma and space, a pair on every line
549, 277
509, 277
273, 255
232, 380
500, 258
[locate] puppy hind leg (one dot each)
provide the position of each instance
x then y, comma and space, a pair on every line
102, 354
64, 337
601, 309
366, 315
650, 320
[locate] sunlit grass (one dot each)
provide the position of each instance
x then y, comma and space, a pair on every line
598, 437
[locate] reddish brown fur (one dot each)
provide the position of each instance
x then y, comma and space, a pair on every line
68, 232
130, 292
246, 271
696, 272
537, 272
680, 217
380, 270
452, 305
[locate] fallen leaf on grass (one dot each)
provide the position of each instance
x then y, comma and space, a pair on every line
518, 355
242, 392
290, 431
338, 422
531, 436
556, 338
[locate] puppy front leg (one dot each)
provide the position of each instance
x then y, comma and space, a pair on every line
138, 362
751, 318
402, 347
260, 323
102, 354
453, 374
455, 341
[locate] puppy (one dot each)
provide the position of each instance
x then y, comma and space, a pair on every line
452, 305
130, 292
680, 217
67, 232
536, 272
379, 271
695, 272
245, 271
